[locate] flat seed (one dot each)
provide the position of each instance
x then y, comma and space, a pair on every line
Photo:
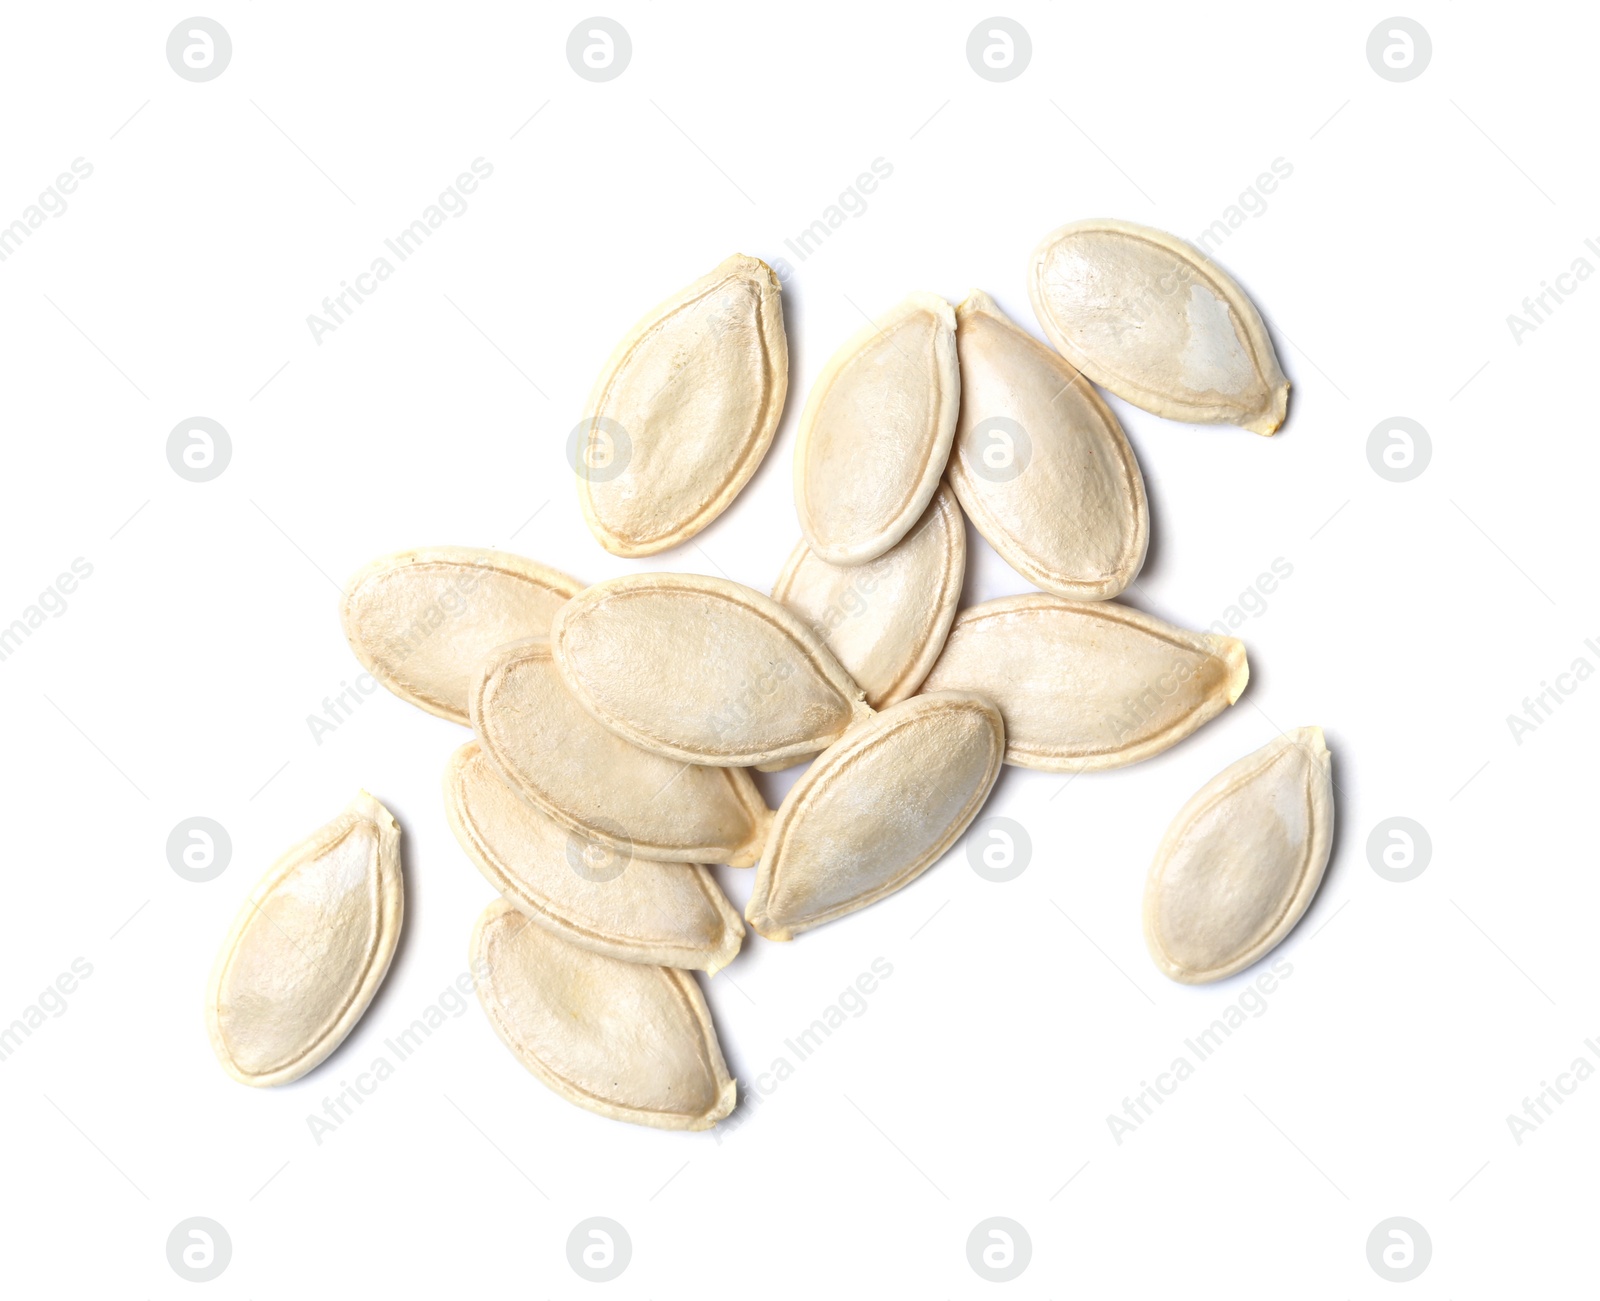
1157, 323
309, 948
595, 896
1241, 862
684, 410
553, 753
625, 1040
885, 621
876, 431
1041, 465
420, 621
876, 811
702, 670
1088, 685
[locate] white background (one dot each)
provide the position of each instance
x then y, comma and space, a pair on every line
1018, 1016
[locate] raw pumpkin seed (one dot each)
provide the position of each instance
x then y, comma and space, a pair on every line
552, 752
1241, 862
885, 621
1157, 323
684, 410
876, 811
597, 897
876, 432
1085, 685
420, 621
622, 1039
702, 670
309, 948
1041, 465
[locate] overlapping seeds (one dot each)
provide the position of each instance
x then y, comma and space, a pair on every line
614, 725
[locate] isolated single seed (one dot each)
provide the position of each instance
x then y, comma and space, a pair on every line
696, 389
309, 948
703, 670
1157, 323
1085, 685
625, 1040
636, 910
1241, 862
875, 434
885, 621
876, 811
554, 754
1041, 465
420, 621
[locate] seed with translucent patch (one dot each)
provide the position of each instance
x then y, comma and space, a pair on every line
1158, 323
309, 948
1241, 862
684, 410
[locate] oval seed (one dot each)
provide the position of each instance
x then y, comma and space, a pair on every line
1041, 465
875, 434
1088, 685
1157, 323
549, 750
599, 898
625, 1040
420, 621
876, 811
1240, 863
885, 621
309, 948
684, 410
702, 670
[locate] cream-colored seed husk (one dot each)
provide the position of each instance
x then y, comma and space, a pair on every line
625, 1040
626, 907
885, 621
309, 948
696, 388
1158, 323
1063, 501
1088, 685
420, 621
702, 670
1241, 862
552, 752
876, 811
876, 432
